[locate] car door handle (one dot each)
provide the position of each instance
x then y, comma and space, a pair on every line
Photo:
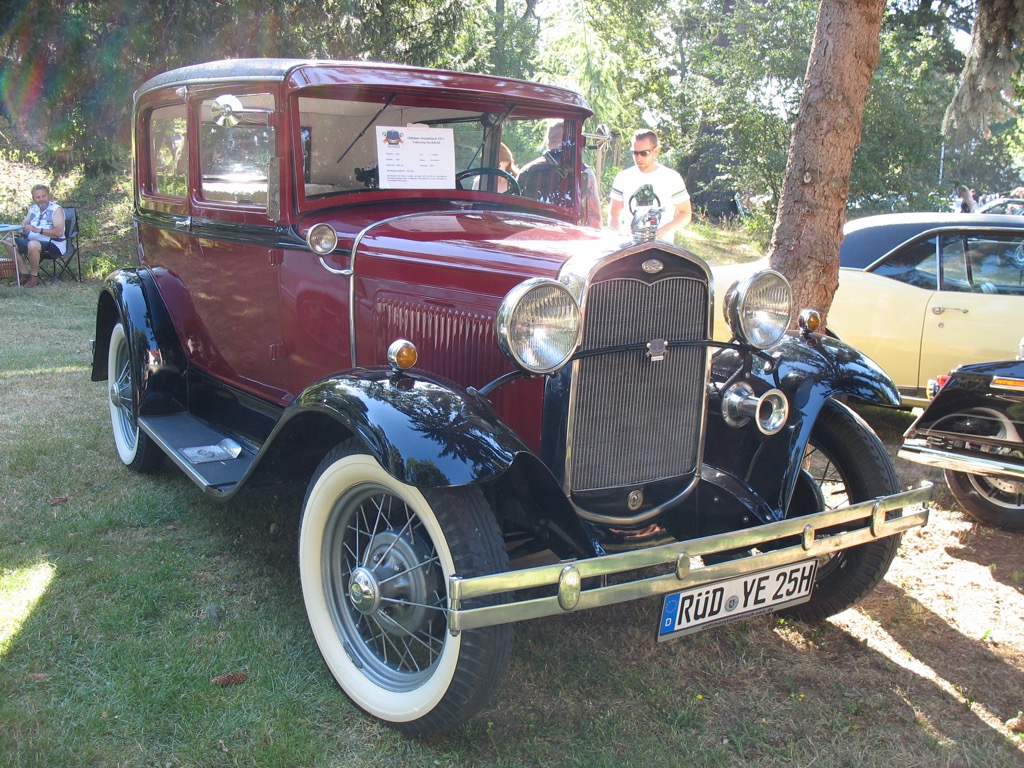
940, 310
185, 223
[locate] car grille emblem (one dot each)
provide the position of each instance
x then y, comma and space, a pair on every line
652, 266
656, 349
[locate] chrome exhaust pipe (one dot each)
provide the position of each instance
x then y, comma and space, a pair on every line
769, 411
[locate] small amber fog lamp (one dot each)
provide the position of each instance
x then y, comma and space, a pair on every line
809, 320
402, 355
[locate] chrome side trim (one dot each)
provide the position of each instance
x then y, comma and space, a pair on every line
867, 518
347, 272
973, 465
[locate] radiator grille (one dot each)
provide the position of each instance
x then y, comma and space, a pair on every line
635, 420
455, 342
459, 344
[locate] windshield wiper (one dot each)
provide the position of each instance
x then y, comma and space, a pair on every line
491, 123
387, 103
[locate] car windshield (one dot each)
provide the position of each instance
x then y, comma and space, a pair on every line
351, 146
1012, 207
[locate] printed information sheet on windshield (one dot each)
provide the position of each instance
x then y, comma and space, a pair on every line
416, 157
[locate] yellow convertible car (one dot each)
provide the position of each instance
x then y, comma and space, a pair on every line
921, 293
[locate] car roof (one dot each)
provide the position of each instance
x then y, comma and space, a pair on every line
868, 239
300, 73
999, 201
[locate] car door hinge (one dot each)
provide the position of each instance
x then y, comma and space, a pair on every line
276, 257
278, 350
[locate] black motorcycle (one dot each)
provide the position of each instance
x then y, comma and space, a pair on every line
974, 430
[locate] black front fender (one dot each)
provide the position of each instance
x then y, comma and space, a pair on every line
424, 431
810, 371
817, 368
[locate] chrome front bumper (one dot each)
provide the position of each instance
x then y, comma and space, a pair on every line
972, 465
864, 522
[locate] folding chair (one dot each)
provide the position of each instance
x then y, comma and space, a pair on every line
62, 264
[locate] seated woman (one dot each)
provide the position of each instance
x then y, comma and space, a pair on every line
44, 233
507, 164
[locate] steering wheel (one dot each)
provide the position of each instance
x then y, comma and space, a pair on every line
1018, 256
513, 185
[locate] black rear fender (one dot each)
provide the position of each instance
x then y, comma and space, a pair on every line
130, 296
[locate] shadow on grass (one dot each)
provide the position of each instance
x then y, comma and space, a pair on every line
1001, 552
969, 668
156, 590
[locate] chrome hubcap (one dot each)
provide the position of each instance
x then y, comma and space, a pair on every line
363, 591
392, 584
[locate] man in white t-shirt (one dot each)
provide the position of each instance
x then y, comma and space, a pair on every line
668, 187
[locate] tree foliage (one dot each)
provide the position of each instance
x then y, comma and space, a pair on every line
992, 66
71, 66
719, 79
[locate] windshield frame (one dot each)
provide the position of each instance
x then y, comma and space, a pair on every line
381, 99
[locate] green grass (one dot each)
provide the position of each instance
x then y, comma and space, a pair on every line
719, 245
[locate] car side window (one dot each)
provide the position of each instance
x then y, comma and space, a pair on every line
953, 261
915, 264
985, 264
168, 152
236, 145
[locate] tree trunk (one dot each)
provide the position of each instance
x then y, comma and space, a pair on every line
812, 208
991, 65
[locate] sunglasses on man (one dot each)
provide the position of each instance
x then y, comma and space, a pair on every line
642, 152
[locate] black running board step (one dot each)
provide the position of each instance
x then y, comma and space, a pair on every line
210, 458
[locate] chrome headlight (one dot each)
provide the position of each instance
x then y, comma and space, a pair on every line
322, 239
538, 325
759, 309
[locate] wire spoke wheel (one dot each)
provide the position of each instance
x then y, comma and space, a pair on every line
134, 448
844, 463
120, 381
375, 556
387, 586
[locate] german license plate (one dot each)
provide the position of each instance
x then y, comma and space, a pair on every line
752, 594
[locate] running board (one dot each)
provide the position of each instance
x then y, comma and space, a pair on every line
211, 459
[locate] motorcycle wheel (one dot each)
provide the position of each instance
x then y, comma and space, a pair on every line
997, 501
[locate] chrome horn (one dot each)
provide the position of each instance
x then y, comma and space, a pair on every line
769, 411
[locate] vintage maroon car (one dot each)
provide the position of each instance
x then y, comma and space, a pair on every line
500, 414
